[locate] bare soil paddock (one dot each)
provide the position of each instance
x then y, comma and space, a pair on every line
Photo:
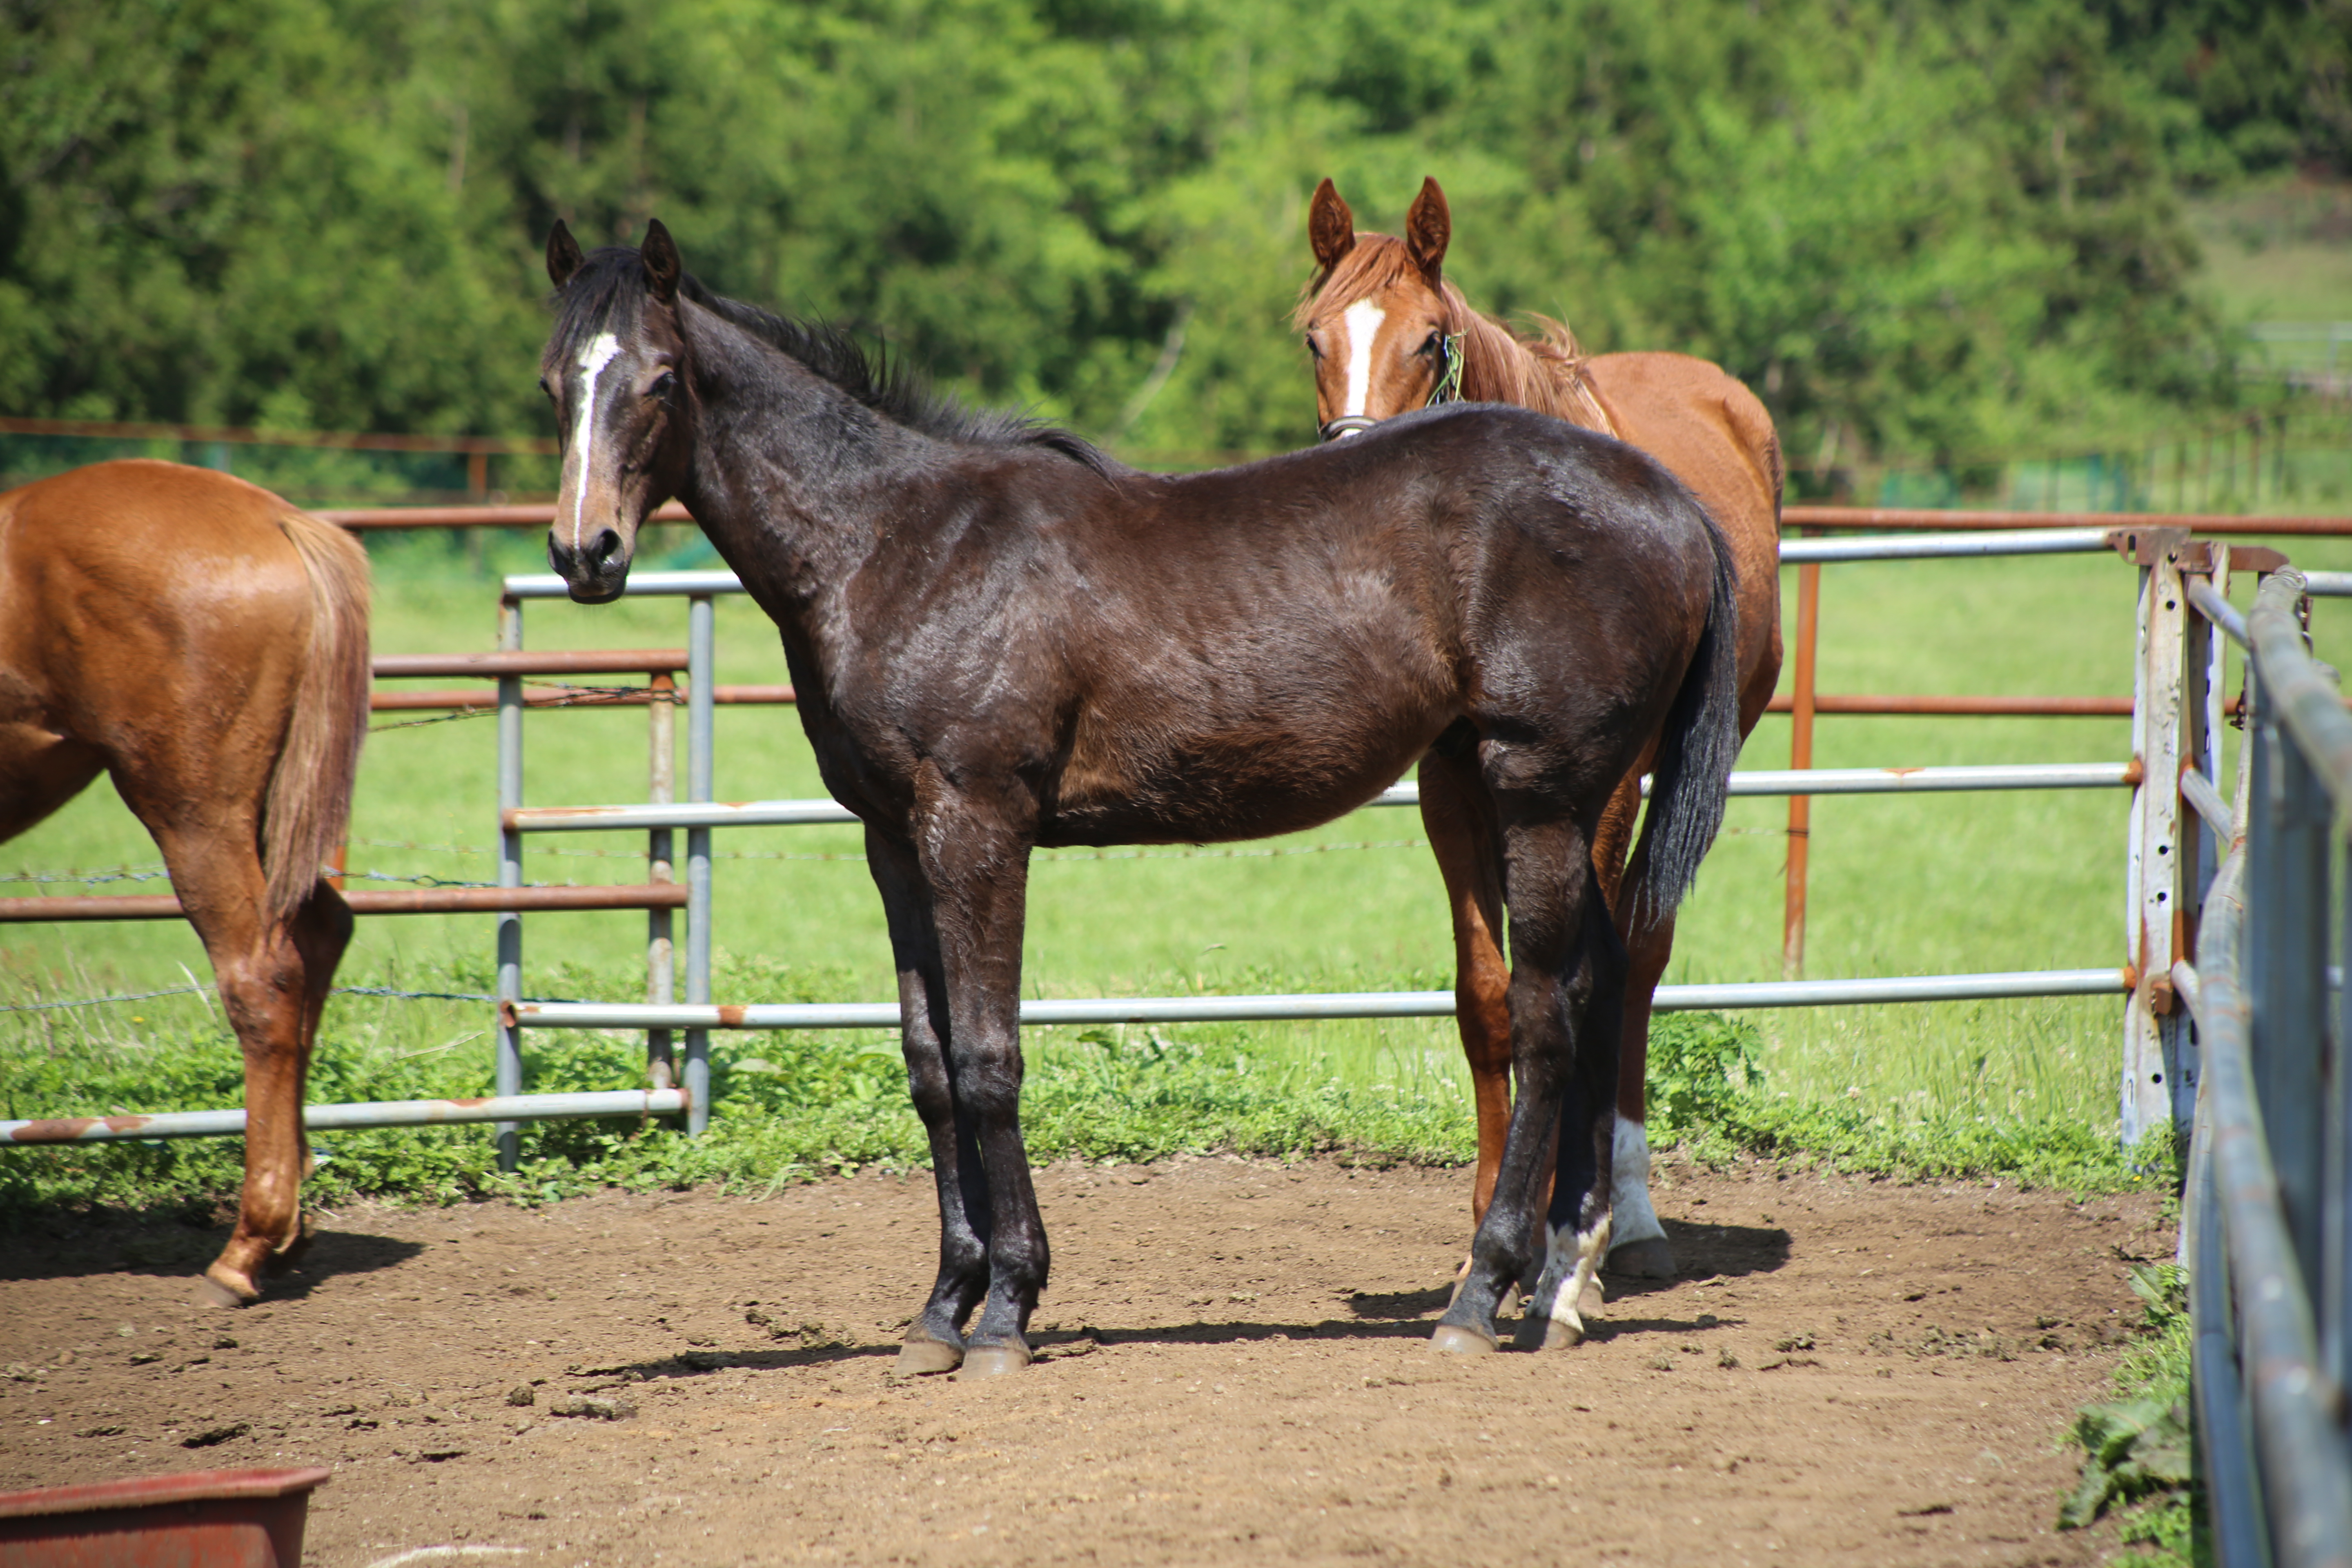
1847, 1371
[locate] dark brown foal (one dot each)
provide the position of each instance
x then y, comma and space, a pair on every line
1003, 639
207, 644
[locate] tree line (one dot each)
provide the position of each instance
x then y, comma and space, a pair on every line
1932, 228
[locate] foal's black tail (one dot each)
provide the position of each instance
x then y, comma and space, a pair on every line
1692, 774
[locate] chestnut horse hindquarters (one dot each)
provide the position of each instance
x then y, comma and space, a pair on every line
208, 645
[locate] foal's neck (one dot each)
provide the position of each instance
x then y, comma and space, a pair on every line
785, 463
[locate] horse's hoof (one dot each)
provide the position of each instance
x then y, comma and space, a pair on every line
1453, 1339
993, 1361
1650, 1258
927, 1357
217, 1286
1561, 1336
1588, 1304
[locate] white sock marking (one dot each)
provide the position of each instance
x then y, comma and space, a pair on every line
599, 352
1363, 318
1629, 1185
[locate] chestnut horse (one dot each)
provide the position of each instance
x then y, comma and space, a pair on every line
1003, 639
207, 644
1389, 333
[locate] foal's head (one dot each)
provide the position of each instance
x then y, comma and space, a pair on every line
1379, 319
616, 369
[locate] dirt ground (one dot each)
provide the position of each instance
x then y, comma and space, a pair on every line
1234, 1372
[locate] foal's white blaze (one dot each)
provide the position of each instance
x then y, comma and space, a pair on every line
1363, 319
599, 352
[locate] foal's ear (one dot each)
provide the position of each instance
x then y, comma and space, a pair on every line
1427, 227
563, 256
1330, 226
659, 254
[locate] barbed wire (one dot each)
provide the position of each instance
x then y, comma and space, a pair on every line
393, 992
579, 697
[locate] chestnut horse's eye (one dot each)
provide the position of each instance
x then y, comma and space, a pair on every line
1313, 347
1430, 345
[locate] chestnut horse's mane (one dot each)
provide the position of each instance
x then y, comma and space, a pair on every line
1545, 373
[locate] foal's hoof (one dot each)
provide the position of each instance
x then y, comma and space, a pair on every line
993, 1361
1453, 1339
1647, 1260
219, 1286
925, 1357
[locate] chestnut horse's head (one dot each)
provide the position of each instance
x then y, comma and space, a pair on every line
615, 368
1384, 329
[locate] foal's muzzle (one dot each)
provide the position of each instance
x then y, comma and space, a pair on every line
1347, 424
595, 574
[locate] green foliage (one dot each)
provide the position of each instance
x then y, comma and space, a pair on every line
2140, 1447
1920, 229
1702, 1066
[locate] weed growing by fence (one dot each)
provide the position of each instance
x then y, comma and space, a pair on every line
2136, 1448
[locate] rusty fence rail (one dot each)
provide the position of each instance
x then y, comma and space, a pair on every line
2269, 1198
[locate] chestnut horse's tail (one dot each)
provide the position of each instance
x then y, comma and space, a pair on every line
1691, 777
310, 801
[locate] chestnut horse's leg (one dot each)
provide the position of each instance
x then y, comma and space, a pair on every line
1637, 1243
935, 1340
1567, 979
1458, 816
265, 986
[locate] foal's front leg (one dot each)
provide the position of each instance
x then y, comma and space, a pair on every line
973, 856
935, 1340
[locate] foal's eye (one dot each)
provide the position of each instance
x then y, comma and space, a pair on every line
545, 388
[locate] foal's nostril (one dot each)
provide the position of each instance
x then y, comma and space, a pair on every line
608, 544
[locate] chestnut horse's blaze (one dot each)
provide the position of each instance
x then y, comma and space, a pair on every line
1388, 333
207, 644
1003, 639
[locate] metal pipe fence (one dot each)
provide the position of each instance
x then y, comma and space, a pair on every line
2269, 1199
2157, 709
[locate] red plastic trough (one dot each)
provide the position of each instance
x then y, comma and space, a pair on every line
202, 1519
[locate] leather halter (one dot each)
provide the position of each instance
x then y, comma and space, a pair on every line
1447, 390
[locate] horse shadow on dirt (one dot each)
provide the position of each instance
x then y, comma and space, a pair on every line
51, 1243
1702, 1251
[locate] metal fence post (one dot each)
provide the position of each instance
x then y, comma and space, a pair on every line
661, 979
701, 692
2152, 1023
510, 928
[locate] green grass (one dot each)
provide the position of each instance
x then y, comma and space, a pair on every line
1899, 886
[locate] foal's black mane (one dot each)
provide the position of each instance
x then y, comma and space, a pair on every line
609, 291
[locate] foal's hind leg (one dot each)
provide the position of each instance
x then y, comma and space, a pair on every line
1564, 956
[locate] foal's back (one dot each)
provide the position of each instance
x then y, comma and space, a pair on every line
1304, 628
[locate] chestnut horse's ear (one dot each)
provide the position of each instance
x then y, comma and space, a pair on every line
563, 256
1330, 226
1427, 227
659, 254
